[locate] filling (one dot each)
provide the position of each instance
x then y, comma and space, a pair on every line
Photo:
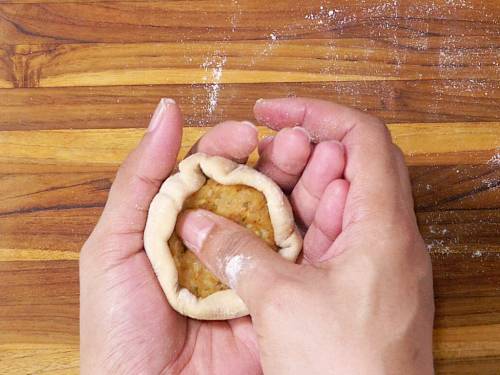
239, 203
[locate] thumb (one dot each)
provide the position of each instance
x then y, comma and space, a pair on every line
235, 255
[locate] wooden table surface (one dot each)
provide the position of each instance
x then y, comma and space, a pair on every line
79, 80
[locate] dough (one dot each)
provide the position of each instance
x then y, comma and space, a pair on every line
226, 188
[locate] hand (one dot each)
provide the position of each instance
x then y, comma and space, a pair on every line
126, 323
362, 299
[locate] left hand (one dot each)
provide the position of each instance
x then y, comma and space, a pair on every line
126, 323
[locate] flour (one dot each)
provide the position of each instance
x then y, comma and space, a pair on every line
494, 161
491, 183
234, 267
215, 65
434, 230
235, 17
322, 16
438, 247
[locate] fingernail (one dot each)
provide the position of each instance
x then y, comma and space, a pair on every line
196, 228
248, 123
159, 112
259, 101
303, 130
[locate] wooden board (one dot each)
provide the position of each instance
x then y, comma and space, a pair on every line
80, 78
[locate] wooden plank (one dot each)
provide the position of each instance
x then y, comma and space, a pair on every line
39, 302
422, 144
7, 69
467, 275
63, 1
456, 187
462, 311
311, 60
125, 106
242, 20
432, 64
49, 359
458, 215
482, 365
467, 342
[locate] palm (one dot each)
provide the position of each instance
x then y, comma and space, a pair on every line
158, 339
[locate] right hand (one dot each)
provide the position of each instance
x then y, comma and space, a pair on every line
361, 301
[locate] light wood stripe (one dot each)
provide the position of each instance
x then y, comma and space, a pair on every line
261, 61
30, 358
422, 144
11, 255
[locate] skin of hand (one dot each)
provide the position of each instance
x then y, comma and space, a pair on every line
361, 299
126, 323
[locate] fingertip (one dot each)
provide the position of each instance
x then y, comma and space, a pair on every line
277, 113
194, 226
327, 163
329, 215
291, 150
167, 112
231, 139
265, 143
249, 132
337, 188
316, 243
327, 223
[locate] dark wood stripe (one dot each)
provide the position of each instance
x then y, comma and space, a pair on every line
122, 106
243, 20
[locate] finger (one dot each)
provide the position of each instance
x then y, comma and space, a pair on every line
235, 255
370, 166
404, 177
326, 164
264, 143
142, 173
327, 223
285, 156
230, 139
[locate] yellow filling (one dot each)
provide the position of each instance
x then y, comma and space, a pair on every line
241, 204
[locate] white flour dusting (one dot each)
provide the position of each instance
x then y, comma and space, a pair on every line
490, 183
495, 160
233, 269
216, 66
434, 230
322, 16
477, 254
438, 247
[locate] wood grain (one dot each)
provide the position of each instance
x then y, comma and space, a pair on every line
129, 107
310, 60
421, 144
29, 216
80, 78
242, 20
